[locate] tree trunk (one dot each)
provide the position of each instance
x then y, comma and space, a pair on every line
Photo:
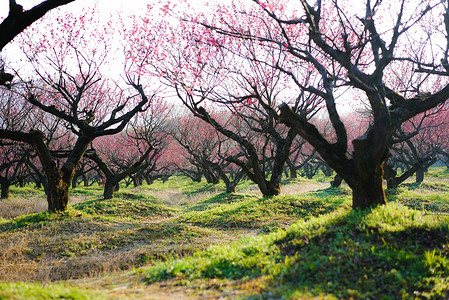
230, 187
368, 193
4, 182
135, 181
38, 184
337, 181
390, 175
74, 182
109, 187
148, 178
269, 189
58, 195
293, 170
210, 177
367, 184
420, 175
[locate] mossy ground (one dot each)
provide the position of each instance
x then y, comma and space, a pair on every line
200, 242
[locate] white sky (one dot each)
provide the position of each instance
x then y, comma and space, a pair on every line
107, 6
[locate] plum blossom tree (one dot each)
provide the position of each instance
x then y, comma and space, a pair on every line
206, 71
352, 56
70, 87
416, 146
136, 149
206, 150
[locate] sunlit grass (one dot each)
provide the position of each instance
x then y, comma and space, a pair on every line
391, 251
31, 291
199, 240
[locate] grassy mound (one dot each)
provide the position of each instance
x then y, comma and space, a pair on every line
128, 206
49, 247
391, 251
249, 211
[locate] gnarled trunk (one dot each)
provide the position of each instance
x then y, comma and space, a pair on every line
368, 191
268, 188
420, 174
211, 177
58, 195
110, 187
369, 156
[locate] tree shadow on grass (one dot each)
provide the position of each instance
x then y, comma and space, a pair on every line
351, 258
385, 252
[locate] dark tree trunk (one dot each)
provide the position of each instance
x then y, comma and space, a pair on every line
293, 170
210, 177
420, 174
4, 182
148, 178
135, 181
74, 182
390, 175
367, 184
268, 189
110, 187
38, 184
337, 181
195, 177
327, 170
58, 195
369, 192
230, 187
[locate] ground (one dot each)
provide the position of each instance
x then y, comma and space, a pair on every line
185, 240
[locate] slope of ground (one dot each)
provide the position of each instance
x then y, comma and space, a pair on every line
198, 242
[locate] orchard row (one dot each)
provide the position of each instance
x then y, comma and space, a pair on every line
251, 90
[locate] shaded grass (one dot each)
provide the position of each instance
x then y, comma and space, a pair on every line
389, 251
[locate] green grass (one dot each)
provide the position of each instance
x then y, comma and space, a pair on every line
137, 206
25, 291
438, 172
185, 185
427, 196
308, 245
390, 251
249, 211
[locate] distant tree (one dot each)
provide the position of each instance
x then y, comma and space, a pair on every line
136, 149
206, 150
206, 71
416, 146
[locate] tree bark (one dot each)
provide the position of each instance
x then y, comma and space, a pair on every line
110, 187
368, 192
4, 182
337, 181
58, 194
363, 172
420, 174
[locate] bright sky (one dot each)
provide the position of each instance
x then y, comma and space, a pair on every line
107, 6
